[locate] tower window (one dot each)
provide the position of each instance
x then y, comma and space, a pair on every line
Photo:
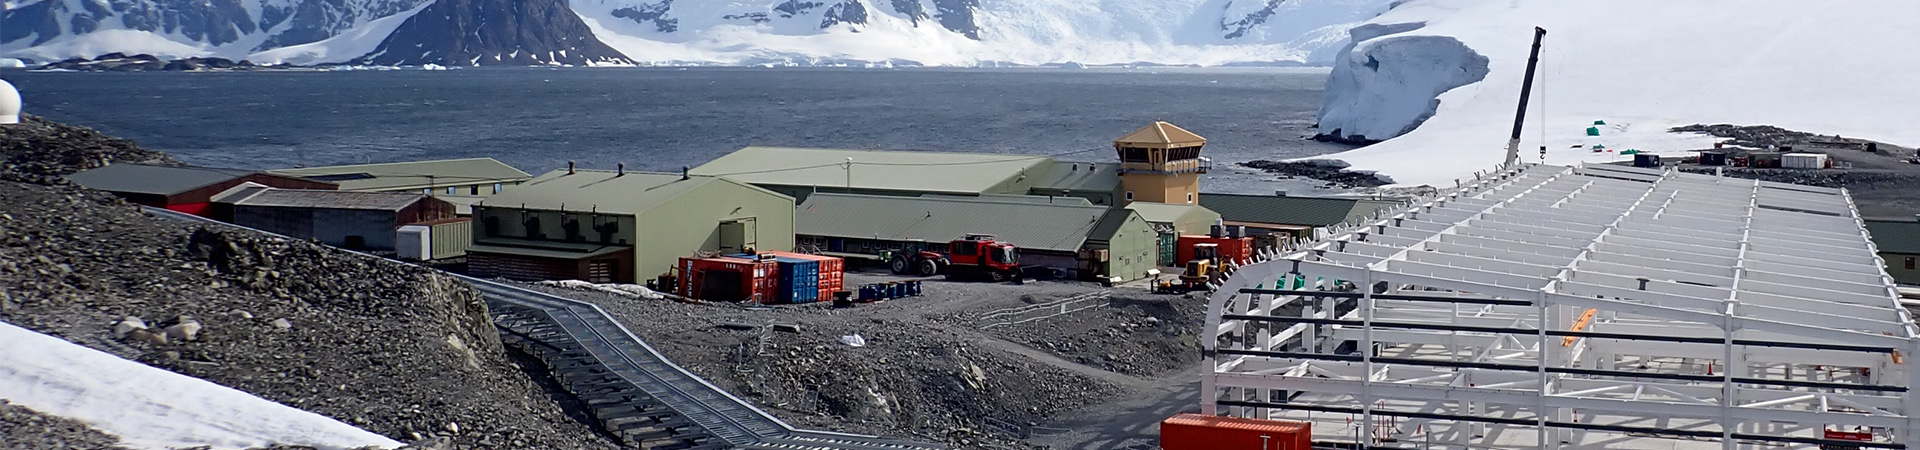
1129, 195
1189, 197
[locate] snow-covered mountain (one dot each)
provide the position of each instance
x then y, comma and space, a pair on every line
1444, 75
739, 32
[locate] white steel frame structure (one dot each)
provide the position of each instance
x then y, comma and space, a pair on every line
1598, 306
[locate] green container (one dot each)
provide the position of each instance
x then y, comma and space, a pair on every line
1593, 131
1599, 122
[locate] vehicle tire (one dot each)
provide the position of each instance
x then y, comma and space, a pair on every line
928, 267
899, 265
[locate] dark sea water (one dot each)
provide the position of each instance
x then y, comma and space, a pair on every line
662, 119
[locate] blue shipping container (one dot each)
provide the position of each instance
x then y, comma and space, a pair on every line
799, 280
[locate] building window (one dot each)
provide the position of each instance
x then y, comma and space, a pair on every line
428, 191
1189, 198
1129, 195
1909, 263
496, 188
474, 189
453, 190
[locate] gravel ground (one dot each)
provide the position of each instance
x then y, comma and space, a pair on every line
393, 348
26, 429
927, 371
1137, 334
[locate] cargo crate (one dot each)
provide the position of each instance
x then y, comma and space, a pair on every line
1203, 432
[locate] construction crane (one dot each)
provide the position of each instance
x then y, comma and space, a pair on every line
1526, 89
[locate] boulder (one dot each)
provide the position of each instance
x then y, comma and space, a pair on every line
186, 330
128, 325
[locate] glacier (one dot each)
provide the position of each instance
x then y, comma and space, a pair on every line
1641, 66
735, 32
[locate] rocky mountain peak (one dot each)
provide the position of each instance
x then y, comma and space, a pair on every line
494, 32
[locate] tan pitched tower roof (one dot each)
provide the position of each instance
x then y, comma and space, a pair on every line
1160, 135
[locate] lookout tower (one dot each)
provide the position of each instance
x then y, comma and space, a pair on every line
1161, 163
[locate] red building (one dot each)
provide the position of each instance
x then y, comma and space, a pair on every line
184, 189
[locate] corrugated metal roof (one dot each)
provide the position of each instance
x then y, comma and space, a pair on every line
598, 190
1895, 236
149, 179
1110, 224
1037, 226
542, 249
1288, 210
1160, 134
1162, 212
411, 174
923, 171
1079, 176
463, 204
317, 199
1038, 199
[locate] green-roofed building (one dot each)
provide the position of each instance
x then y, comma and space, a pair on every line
605, 226
1898, 242
1295, 216
469, 177
799, 172
1060, 232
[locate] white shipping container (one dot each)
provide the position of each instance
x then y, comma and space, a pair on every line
414, 242
1803, 160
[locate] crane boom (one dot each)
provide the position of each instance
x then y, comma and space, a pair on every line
1526, 89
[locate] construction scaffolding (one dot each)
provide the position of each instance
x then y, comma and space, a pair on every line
1598, 306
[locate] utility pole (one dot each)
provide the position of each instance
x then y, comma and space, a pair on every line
1526, 89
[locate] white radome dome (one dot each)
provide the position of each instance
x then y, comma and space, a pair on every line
9, 103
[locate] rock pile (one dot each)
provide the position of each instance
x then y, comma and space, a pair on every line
392, 348
1334, 172
37, 149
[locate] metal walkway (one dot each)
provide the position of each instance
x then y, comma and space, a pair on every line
638, 394
633, 390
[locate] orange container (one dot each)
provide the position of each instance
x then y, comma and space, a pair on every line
1236, 249
1200, 432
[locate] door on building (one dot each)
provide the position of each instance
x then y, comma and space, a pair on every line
737, 235
1169, 247
601, 270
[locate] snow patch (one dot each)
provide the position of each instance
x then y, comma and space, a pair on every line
101, 42
1642, 66
352, 43
151, 408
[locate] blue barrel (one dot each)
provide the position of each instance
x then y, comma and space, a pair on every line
866, 293
893, 289
913, 288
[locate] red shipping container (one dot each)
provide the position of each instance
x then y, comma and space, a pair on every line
757, 280
1236, 249
1200, 432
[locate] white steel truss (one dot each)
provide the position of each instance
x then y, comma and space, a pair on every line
1597, 306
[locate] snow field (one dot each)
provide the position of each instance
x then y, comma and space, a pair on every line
1641, 66
151, 408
